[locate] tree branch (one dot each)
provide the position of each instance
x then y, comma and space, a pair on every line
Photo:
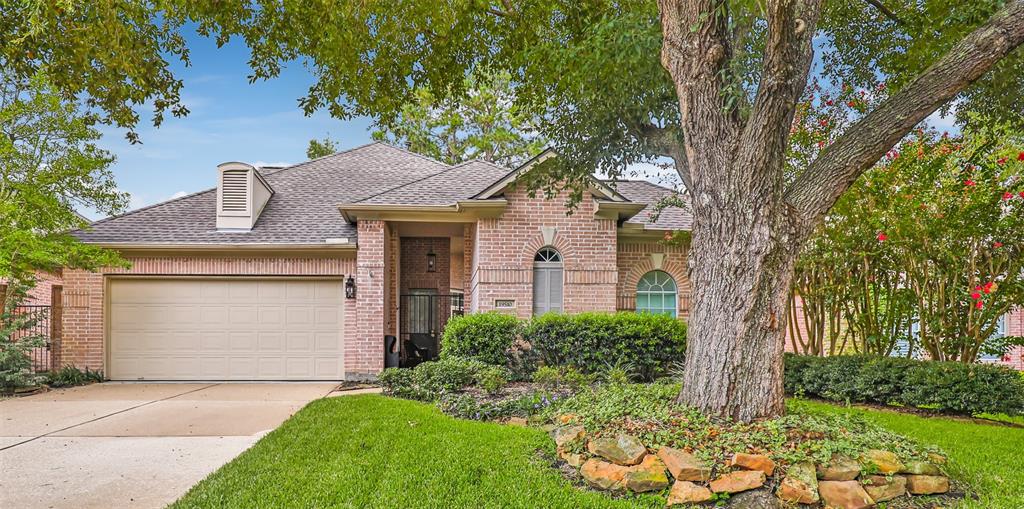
786, 64
818, 187
877, 4
667, 142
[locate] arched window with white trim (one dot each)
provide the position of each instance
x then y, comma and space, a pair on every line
547, 281
656, 293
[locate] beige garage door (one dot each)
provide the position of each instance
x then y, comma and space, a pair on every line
225, 329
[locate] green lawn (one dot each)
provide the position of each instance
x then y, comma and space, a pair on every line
990, 457
372, 451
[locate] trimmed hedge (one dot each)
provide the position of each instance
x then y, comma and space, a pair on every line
643, 343
948, 387
486, 337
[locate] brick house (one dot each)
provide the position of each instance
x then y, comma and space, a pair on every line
301, 273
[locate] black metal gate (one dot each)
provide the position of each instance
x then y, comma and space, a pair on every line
423, 315
38, 327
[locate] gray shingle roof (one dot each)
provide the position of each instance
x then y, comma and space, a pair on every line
304, 207
642, 191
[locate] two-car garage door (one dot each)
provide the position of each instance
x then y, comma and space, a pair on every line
225, 329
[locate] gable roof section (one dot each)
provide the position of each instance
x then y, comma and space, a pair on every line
599, 189
649, 193
304, 210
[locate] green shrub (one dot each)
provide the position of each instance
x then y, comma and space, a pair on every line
70, 376
492, 379
487, 337
547, 376
948, 387
590, 341
430, 380
16, 345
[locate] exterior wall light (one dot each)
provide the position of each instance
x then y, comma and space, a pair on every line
431, 261
350, 288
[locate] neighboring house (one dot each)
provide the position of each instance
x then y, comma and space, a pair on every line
301, 273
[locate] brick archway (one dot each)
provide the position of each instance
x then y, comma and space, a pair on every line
674, 265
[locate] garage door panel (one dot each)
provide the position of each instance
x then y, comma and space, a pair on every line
223, 329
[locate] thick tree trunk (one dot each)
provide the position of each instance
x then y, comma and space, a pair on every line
742, 255
748, 228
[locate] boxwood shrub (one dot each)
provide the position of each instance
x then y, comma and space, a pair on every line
486, 337
591, 342
948, 387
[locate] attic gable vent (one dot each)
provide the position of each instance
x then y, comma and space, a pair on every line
241, 195
234, 190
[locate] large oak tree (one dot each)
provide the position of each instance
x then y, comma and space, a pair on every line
711, 84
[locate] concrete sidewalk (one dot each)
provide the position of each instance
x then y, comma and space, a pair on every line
133, 445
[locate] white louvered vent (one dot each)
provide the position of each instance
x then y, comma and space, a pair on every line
234, 190
241, 195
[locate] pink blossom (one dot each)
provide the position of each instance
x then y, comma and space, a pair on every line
882, 237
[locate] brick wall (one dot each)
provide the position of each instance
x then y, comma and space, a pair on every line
40, 294
1015, 327
83, 342
414, 264
367, 348
504, 247
636, 258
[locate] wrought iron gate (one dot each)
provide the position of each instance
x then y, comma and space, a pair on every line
423, 315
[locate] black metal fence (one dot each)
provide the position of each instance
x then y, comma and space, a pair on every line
422, 320
40, 326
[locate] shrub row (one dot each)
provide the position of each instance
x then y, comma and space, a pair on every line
642, 343
948, 387
430, 380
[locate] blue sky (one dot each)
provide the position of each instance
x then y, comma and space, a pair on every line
230, 120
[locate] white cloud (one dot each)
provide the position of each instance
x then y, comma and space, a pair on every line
178, 194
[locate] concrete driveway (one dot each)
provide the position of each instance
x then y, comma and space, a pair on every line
133, 444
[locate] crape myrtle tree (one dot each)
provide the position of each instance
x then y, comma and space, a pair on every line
711, 84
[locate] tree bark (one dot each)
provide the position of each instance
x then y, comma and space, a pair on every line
748, 228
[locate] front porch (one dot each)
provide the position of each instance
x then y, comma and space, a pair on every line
426, 271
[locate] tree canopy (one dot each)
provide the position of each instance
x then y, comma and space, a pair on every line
49, 166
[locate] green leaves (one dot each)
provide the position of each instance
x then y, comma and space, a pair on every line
49, 166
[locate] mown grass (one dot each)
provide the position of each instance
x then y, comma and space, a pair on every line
989, 457
372, 451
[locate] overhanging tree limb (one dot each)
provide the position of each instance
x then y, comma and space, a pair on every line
818, 187
666, 141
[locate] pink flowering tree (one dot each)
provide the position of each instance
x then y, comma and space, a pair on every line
926, 248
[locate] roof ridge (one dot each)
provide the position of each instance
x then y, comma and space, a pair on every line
410, 152
409, 183
481, 161
338, 153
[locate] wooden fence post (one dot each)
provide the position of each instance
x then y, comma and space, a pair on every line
56, 325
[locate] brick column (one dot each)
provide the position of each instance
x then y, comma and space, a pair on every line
364, 357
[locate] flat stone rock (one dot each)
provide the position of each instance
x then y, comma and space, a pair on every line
844, 495
623, 449
885, 462
649, 475
921, 468
603, 475
683, 465
568, 434
735, 482
566, 418
839, 468
516, 421
936, 458
573, 459
927, 484
800, 486
686, 492
881, 488
753, 462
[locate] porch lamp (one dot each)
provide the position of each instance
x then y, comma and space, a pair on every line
350, 288
431, 260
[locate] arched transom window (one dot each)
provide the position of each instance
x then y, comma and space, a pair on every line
656, 293
547, 281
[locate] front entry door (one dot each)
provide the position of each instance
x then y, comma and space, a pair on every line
421, 324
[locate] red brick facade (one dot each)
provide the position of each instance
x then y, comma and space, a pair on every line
492, 260
503, 250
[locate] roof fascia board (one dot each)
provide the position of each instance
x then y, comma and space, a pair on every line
597, 188
457, 212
